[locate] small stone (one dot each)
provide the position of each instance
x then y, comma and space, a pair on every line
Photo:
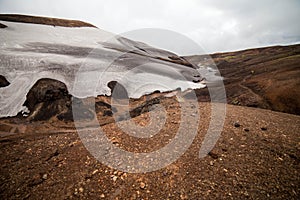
102, 196
263, 128
45, 176
36, 180
211, 163
95, 171
120, 173
164, 173
114, 140
183, 197
246, 129
236, 124
213, 155
142, 185
80, 190
114, 178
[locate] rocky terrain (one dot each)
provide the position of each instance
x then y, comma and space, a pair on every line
257, 155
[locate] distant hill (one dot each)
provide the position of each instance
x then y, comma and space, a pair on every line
264, 77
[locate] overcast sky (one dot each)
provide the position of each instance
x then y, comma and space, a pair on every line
215, 25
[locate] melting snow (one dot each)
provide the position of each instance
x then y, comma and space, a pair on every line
85, 59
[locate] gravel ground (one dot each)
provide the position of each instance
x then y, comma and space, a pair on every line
256, 157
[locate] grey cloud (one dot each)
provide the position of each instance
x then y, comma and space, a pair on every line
216, 25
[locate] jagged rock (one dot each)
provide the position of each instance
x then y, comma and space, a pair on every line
3, 81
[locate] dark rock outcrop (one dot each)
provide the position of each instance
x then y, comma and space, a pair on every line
3, 26
81, 111
3, 81
47, 98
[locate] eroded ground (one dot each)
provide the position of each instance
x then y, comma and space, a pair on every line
256, 157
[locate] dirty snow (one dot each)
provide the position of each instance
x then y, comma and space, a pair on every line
85, 59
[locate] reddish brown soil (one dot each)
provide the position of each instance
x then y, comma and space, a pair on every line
257, 160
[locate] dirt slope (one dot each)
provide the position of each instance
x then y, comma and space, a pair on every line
257, 160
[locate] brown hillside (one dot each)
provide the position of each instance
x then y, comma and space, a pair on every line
265, 77
43, 20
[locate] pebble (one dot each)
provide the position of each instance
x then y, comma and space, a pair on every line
114, 178
102, 196
236, 124
246, 129
80, 190
213, 155
114, 140
263, 128
45, 176
142, 185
